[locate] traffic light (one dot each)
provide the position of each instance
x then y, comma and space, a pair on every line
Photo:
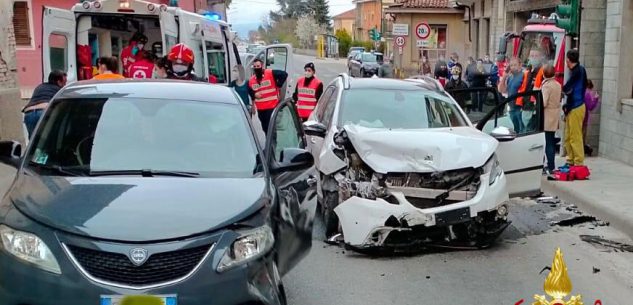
374, 34
568, 16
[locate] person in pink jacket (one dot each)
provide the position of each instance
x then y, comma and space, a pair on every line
592, 99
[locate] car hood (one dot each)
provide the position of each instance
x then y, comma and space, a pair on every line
421, 150
136, 208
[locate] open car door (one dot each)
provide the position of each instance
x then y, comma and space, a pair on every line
59, 42
292, 170
276, 57
521, 141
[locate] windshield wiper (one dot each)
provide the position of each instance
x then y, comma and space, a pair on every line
56, 169
143, 172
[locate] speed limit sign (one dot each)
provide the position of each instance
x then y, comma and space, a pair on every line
400, 41
423, 30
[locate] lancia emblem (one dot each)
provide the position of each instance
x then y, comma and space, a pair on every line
138, 256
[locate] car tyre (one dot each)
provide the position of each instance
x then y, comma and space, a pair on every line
362, 72
330, 219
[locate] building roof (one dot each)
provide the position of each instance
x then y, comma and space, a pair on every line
351, 14
423, 3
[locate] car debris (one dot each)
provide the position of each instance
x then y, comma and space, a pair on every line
548, 200
576, 220
595, 270
599, 241
384, 195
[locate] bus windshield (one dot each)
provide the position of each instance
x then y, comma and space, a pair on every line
537, 48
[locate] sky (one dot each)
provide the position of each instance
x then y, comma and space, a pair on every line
246, 15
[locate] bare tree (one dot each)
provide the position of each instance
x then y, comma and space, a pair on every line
307, 28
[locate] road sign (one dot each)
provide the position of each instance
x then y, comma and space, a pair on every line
400, 29
422, 43
423, 30
400, 50
400, 41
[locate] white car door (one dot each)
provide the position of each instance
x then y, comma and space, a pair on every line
520, 153
276, 57
59, 51
522, 157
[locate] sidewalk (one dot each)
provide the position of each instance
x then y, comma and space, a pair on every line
607, 195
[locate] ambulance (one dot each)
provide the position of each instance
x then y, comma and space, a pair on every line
92, 29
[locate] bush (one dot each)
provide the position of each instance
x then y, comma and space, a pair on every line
344, 42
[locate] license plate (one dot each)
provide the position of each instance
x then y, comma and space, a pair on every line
117, 300
452, 217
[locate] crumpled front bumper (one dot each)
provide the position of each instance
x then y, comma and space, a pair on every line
370, 223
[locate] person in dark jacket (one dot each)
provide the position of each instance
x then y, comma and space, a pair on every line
479, 80
42, 95
574, 109
456, 83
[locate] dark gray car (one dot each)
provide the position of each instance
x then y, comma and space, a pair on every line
365, 64
135, 187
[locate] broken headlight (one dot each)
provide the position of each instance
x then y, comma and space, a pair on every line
492, 167
251, 245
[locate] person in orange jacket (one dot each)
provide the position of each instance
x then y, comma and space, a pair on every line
108, 68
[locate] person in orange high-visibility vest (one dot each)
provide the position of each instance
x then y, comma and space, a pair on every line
263, 87
307, 92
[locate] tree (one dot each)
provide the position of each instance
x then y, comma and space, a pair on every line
320, 9
306, 29
344, 41
271, 30
253, 36
292, 8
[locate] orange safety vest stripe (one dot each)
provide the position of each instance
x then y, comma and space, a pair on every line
524, 84
306, 97
267, 88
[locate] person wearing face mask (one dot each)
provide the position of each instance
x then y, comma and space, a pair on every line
307, 92
180, 63
425, 67
133, 52
263, 87
240, 85
160, 68
456, 83
479, 79
143, 67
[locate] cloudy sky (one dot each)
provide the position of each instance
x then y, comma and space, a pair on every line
247, 15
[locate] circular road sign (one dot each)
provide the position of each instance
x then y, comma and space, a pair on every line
423, 30
400, 41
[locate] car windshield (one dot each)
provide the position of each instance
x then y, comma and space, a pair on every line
368, 57
126, 134
399, 109
537, 48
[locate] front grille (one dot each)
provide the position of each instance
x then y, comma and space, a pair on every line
427, 203
436, 180
159, 268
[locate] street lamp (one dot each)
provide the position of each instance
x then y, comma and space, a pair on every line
458, 5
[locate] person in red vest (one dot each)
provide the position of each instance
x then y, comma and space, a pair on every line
263, 87
143, 67
307, 92
132, 52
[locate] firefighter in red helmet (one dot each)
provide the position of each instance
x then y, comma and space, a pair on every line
180, 63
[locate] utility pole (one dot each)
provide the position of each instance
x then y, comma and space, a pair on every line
10, 102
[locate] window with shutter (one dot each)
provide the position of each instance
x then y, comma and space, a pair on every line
21, 24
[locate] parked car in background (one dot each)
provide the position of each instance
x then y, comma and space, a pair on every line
365, 64
131, 187
352, 53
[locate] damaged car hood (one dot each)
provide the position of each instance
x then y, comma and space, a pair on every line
421, 150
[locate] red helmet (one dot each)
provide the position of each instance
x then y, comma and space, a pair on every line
180, 53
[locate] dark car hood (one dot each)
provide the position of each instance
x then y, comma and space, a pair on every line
136, 208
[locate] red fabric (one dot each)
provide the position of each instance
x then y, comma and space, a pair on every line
213, 79
141, 69
267, 88
127, 58
306, 97
579, 172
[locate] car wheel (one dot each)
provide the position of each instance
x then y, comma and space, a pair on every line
362, 72
330, 219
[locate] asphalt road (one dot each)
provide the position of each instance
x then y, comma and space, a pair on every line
504, 274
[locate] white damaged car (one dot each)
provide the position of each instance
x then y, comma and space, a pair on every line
401, 165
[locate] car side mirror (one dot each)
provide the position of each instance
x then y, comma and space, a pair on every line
503, 134
315, 129
293, 159
10, 153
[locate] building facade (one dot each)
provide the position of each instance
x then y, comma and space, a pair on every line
345, 21
27, 18
368, 16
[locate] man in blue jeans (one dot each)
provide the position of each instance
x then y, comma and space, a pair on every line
42, 95
511, 84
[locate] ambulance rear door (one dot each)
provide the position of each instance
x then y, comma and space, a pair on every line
168, 29
59, 42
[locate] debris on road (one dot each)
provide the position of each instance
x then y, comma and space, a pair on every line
580, 220
597, 240
545, 268
595, 270
552, 201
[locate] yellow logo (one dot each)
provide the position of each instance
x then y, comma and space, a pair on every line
557, 285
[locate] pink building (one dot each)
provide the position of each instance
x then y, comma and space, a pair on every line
27, 23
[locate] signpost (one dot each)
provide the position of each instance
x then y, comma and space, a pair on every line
423, 30
400, 29
400, 41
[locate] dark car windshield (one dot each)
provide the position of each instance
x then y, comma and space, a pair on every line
125, 134
368, 57
399, 109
